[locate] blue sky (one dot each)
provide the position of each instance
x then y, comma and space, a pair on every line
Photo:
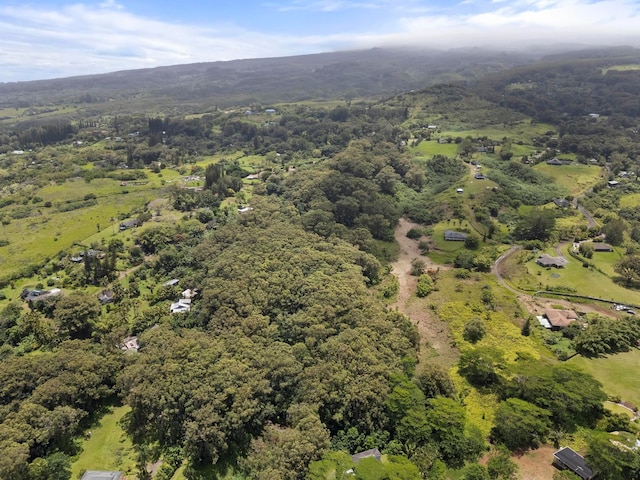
49, 38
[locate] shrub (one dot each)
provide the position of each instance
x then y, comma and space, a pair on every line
425, 286
417, 267
474, 330
414, 233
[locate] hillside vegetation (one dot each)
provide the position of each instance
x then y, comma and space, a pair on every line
195, 293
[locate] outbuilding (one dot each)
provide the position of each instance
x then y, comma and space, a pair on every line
568, 459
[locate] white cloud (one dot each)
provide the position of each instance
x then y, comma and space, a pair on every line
81, 39
514, 24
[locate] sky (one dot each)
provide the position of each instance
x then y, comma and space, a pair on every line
57, 38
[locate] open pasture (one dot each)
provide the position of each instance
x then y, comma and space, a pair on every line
575, 178
618, 373
107, 448
431, 148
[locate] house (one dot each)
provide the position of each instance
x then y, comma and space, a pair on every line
171, 283
602, 247
480, 176
106, 296
594, 115
548, 261
544, 321
129, 224
270, 111
459, 190
374, 452
562, 202
36, 295
101, 475
452, 236
613, 183
559, 319
443, 140
181, 306
568, 459
253, 176
555, 161
188, 293
245, 209
130, 344
432, 127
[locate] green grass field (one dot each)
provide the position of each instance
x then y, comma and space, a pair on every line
575, 178
109, 448
430, 148
618, 373
530, 276
630, 201
621, 68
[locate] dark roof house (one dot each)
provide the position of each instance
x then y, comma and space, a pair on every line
129, 224
602, 247
374, 452
568, 459
555, 161
452, 236
562, 202
106, 296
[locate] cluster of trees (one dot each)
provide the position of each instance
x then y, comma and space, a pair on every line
47, 400
289, 352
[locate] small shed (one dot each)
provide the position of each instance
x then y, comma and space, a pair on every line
568, 459
602, 247
452, 236
562, 202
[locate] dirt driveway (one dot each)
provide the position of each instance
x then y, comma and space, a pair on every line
434, 333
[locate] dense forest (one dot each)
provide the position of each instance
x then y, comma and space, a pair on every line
277, 230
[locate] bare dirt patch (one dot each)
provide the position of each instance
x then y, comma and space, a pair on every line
536, 464
434, 333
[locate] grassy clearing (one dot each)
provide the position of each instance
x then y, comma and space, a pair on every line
615, 408
618, 373
575, 178
525, 274
630, 201
621, 68
431, 148
109, 448
35, 238
523, 131
445, 251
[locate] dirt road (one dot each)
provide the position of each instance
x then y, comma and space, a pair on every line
434, 333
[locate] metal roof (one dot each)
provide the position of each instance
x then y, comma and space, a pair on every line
574, 462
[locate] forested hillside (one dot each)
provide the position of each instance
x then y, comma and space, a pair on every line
260, 293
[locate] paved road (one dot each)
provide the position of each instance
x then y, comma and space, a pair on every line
496, 270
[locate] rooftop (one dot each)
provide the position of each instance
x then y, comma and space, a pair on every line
101, 475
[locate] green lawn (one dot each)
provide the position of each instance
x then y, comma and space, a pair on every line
530, 276
108, 448
622, 68
630, 201
575, 178
35, 238
431, 148
618, 373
